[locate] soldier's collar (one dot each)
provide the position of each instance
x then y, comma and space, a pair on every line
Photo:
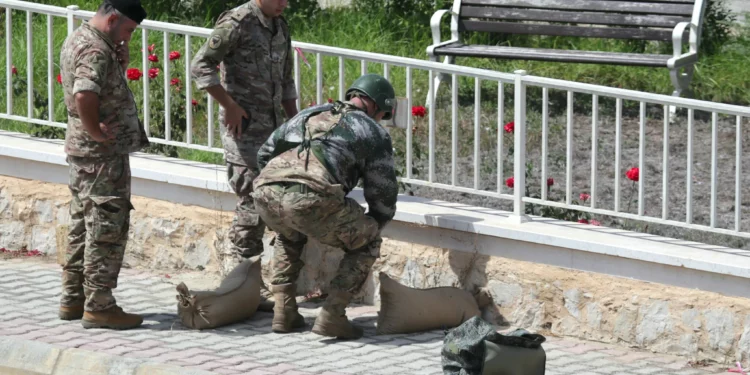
100, 34
264, 20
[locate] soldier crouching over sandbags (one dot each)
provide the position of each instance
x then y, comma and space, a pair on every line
308, 166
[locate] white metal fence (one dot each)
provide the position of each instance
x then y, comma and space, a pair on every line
419, 71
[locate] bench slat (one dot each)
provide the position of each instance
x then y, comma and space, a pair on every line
591, 5
564, 30
542, 54
644, 20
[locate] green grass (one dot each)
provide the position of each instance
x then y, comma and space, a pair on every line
722, 77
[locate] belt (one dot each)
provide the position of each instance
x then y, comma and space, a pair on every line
291, 187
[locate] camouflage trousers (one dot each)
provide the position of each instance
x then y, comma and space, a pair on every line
99, 222
332, 219
246, 233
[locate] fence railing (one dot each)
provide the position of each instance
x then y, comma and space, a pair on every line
485, 152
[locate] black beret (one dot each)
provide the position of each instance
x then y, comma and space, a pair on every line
129, 8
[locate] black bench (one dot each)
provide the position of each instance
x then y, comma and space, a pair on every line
649, 20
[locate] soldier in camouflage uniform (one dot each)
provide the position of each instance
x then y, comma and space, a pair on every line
308, 166
253, 45
103, 128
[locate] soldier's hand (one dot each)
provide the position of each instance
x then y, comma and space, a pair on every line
107, 129
123, 54
234, 116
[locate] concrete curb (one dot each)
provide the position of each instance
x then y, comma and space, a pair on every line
24, 357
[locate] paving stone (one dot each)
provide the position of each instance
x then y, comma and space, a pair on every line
250, 347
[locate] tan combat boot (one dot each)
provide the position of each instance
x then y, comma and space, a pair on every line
71, 312
112, 317
266, 298
285, 315
332, 321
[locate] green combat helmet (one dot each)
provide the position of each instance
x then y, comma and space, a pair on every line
378, 89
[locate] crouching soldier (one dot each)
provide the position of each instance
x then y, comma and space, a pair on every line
308, 166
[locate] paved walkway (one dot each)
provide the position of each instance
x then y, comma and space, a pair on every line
28, 311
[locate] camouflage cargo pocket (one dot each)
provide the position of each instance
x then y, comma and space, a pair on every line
110, 216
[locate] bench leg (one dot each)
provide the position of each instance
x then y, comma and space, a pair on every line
439, 78
681, 82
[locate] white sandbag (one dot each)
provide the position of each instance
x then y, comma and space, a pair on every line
236, 299
408, 310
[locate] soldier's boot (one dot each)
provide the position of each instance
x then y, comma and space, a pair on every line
74, 312
286, 318
112, 317
266, 298
332, 320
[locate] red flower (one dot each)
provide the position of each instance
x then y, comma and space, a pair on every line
14, 70
195, 102
153, 58
134, 74
175, 82
633, 174
584, 197
509, 127
174, 55
151, 48
418, 111
153, 73
510, 182
550, 182
583, 221
596, 222
59, 79
330, 100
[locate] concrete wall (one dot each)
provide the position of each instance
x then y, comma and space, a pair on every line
552, 300
554, 277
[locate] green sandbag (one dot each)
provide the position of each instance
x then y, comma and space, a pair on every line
476, 348
513, 360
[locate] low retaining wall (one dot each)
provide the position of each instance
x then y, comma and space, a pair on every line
553, 300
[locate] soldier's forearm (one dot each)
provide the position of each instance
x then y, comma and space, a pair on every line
220, 95
290, 107
87, 104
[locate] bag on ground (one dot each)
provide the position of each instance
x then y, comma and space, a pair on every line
476, 348
407, 310
236, 299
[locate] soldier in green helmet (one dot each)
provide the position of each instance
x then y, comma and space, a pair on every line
308, 166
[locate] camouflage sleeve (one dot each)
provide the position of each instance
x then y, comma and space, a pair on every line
90, 70
222, 41
288, 90
381, 186
266, 152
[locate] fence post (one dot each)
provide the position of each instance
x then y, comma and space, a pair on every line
519, 150
71, 19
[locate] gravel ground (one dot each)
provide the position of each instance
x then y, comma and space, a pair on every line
605, 166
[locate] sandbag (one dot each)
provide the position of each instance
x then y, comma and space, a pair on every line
407, 310
476, 348
236, 299
513, 360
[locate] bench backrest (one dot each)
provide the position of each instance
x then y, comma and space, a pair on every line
634, 19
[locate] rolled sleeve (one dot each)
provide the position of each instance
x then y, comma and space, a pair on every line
222, 41
90, 71
83, 84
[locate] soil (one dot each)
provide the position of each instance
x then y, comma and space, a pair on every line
605, 166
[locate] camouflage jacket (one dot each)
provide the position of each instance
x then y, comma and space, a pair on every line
255, 53
346, 146
88, 62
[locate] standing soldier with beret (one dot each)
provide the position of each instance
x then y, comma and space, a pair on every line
103, 129
253, 45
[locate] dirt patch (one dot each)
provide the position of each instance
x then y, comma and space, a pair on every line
604, 166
